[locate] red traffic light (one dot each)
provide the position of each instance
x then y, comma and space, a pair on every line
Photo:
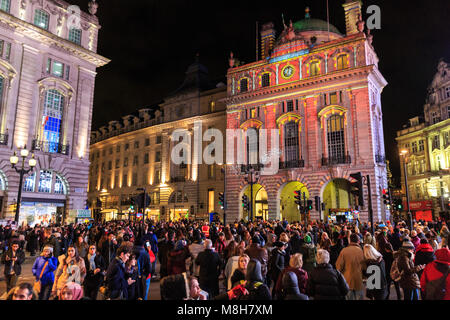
385, 191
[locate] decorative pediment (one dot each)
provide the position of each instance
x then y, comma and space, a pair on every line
288, 117
251, 123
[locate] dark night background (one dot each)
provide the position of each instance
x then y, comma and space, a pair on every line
152, 42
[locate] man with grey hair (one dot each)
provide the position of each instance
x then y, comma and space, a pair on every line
210, 265
324, 282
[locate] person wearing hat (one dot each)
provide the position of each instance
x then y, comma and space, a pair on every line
254, 251
308, 251
43, 270
276, 263
409, 280
437, 273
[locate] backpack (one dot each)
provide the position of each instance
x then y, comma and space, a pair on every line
436, 289
395, 273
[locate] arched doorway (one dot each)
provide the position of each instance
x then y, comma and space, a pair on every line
288, 208
338, 200
178, 206
260, 203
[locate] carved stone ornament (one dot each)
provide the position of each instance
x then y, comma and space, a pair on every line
93, 6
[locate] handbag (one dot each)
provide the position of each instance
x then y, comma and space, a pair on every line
37, 284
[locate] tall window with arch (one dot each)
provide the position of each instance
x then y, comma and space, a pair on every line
291, 142
252, 136
265, 80
45, 181
342, 62
29, 183
336, 138
314, 69
244, 85
52, 119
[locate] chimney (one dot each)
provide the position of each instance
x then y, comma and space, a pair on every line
352, 10
267, 39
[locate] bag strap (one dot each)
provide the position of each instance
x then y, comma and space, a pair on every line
43, 269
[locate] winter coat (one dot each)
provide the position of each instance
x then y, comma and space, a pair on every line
309, 252
17, 267
48, 276
326, 283
209, 263
32, 242
351, 264
377, 294
194, 249
295, 244
302, 278
231, 266
335, 251
92, 279
277, 263
254, 251
236, 278
65, 273
395, 241
116, 281
176, 261
409, 279
434, 271
143, 261
424, 255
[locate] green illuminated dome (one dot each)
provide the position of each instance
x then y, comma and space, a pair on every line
309, 24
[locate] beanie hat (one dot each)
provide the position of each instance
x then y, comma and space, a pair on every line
408, 245
307, 239
443, 256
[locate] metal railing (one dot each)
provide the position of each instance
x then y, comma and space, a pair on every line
177, 179
336, 160
51, 147
292, 164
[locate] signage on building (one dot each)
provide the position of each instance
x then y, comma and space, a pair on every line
80, 213
424, 215
421, 205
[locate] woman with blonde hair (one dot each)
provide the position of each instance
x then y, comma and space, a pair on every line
375, 267
295, 266
241, 271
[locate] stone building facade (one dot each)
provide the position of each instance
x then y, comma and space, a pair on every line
322, 91
135, 153
47, 75
428, 149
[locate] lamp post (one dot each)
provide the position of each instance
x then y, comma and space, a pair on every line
22, 171
403, 154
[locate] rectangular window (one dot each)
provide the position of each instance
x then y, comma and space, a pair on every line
41, 19
436, 142
127, 146
447, 92
110, 150
146, 158
67, 72
147, 142
135, 177
158, 139
290, 105
265, 80
333, 98
156, 177
448, 112
210, 200
125, 180
135, 160
421, 147
118, 149
244, 85
109, 165
296, 104
75, 35
117, 163
136, 144
125, 162
157, 156
5, 5
57, 69
414, 147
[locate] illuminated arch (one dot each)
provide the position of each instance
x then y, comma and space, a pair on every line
288, 117
332, 110
251, 123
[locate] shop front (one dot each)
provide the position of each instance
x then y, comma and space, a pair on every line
152, 214
33, 211
342, 215
422, 210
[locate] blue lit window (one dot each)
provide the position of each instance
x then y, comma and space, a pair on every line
51, 120
29, 183
41, 19
45, 181
5, 5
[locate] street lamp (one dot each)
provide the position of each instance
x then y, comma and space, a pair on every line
14, 159
403, 154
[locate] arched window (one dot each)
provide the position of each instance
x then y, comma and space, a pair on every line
51, 120
336, 139
45, 181
29, 183
60, 187
291, 142
177, 197
314, 69
2, 182
244, 85
265, 80
41, 19
342, 62
5, 5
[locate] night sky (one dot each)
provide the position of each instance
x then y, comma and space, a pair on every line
152, 42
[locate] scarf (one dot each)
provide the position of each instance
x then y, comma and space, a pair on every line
77, 291
91, 259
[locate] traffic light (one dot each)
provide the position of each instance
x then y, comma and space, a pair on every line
298, 197
317, 203
386, 197
245, 203
356, 187
399, 203
221, 200
139, 200
309, 205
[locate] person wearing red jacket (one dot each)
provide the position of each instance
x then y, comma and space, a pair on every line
436, 270
424, 255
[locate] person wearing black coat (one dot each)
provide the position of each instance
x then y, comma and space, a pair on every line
210, 266
335, 249
325, 282
290, 289
12, 259
33, 242
295, 243
109, 248
424, 255
95, 272
375, 259
116, 275
395, 240
164, 247
277, 262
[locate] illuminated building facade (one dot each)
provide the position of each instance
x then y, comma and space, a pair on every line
322, 91
47, 76
135, 153
428, 150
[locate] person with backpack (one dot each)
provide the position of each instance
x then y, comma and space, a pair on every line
435, 280
308, 251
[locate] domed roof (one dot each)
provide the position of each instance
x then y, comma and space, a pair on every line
309, 24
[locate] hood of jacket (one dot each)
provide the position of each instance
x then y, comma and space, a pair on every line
290, 283
254, 271
424, 247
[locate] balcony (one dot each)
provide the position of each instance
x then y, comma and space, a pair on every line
177, 179
51, 147
380, 158
245, 168
336, 160
292, 164
4, 139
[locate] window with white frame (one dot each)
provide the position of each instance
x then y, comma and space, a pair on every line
5, 5
421, 146
41, 19
447, 92
335, 137
435, 118
45, 181
291, 141
60, 187
29, 183
58, 69
51, 119
436, 142
75, 35
5, 50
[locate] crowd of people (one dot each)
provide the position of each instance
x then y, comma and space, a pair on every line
259, 260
